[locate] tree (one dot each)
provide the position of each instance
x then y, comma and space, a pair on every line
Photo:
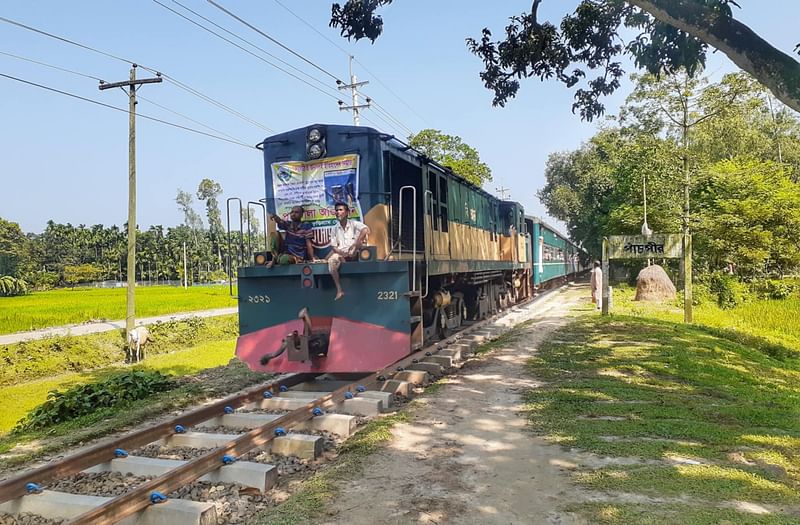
208, 191
747, 206
452, 152
749, 215
670, 34
12, 248
81, 273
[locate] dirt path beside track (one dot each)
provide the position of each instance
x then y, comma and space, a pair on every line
466, 456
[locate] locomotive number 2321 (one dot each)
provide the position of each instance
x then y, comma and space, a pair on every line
387, 295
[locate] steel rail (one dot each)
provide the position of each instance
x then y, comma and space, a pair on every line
15, 487
138, 499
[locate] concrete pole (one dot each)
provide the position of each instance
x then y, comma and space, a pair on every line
130, 309
354, 91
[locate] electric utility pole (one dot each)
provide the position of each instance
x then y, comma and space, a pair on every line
353, 87
130, 314
502, 191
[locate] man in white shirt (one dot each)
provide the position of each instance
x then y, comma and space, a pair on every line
347, 238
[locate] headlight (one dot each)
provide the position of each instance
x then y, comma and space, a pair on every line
315, 151
314, 135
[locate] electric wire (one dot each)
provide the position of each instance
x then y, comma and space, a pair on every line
51, 35
287, 64
271, 39
109, 106
355, 59
231, 42
126, 61
317, 31
26, 59
338, 81
388, 124
190, 119
381, 109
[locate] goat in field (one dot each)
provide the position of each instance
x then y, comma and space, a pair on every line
137, 339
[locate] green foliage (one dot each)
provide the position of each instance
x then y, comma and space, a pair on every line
452, 152
85, 399
41, 358
61, 307
774, 289
748, 214
82, 273
742, 162
12, 248
585, 48
10, 286
716, 419
42, 280
727, 289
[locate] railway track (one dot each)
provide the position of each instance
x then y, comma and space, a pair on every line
217, 463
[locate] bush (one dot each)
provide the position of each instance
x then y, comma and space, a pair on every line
701, 294
85, 399
727, 289
773, 289
11, 286
42, 280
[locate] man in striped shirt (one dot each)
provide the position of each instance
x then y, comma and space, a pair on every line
296, 247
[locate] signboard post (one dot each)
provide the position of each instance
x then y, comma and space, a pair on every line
656, 246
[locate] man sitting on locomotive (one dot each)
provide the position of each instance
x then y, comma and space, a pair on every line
347, 238
297, 246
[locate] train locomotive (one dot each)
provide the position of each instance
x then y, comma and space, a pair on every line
441, 253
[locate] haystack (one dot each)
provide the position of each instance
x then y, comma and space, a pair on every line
653, 285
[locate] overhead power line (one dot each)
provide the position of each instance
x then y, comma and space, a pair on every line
26, 59
231, 42
276, 42
78, 73
109, 106
317, 31
152, 70
355, 59
287, 64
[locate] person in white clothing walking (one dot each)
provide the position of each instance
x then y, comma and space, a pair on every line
348, 237
597, 284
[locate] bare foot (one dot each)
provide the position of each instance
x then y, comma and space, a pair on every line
339, 295
302, 313
271, 264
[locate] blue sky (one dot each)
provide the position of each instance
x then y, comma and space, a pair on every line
67, 160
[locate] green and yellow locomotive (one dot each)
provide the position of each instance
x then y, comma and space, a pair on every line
441, 253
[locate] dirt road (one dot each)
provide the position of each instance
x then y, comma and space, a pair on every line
467, 457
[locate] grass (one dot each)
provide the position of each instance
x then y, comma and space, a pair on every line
763, 318
79, 305
46, 358
191, 364
24, 397
674, 514
713, 418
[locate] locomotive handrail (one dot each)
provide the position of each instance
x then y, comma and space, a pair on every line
249, 229
241, 239
428, 193
413, 235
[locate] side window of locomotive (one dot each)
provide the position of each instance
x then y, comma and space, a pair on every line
433, 210
443, 203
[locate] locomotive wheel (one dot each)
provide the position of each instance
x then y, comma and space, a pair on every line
441, 324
